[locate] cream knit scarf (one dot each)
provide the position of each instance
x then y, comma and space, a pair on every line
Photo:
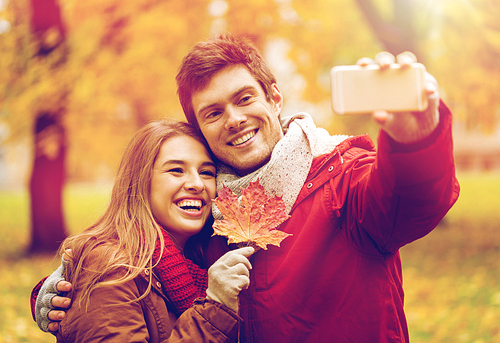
285, 173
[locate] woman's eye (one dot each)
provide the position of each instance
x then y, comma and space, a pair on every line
175, 170
207, 173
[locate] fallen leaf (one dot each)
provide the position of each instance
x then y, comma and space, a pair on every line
255, 221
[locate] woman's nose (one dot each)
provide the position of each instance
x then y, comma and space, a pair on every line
194, 183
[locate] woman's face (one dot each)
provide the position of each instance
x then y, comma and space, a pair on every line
182, 187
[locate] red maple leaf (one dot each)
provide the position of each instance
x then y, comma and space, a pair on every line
255, 220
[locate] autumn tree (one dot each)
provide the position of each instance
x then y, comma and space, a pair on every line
111, 67
48, 174
462, 40
393, 25
314, 36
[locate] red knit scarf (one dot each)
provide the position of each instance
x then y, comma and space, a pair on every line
181, 278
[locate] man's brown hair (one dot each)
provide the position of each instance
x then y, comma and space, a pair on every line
207, 58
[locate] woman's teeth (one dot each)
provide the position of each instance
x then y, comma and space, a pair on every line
190, 205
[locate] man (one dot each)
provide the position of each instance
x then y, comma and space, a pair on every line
338, 278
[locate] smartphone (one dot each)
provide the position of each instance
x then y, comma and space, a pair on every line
357, 89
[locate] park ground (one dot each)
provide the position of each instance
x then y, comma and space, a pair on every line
451, 277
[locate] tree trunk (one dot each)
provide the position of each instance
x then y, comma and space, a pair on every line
46, 184
48, 174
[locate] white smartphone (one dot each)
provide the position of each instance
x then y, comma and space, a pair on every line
357, 89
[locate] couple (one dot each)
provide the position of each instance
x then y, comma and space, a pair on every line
338, 277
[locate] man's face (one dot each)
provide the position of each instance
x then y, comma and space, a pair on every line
239, 124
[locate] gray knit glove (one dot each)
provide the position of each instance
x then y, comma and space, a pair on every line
44, 299
228, 276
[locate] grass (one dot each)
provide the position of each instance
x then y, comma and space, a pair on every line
18, 273
451, 276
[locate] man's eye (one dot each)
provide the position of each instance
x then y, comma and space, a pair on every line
213, 114
245, 99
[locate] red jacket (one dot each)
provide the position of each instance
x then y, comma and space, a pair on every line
339, 277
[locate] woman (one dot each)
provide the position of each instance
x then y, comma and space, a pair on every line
139, 268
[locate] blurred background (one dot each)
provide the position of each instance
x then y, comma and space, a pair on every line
78, 78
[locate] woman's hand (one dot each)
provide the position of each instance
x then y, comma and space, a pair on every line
228, 276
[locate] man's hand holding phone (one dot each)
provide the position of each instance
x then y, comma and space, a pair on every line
405, 126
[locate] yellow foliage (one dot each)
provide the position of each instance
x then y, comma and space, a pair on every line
121, 59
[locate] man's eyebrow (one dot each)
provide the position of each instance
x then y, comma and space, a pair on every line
243, 89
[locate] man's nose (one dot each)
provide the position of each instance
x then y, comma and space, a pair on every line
234, 118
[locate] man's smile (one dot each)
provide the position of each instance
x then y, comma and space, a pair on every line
243, 139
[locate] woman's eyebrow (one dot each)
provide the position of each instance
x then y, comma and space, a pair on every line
182, 162
173, 162
209, 164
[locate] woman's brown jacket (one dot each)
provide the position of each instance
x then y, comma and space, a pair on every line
112, 317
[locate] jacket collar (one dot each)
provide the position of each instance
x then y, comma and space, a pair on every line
362, 142
327, 166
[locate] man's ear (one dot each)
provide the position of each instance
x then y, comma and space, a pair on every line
277, 99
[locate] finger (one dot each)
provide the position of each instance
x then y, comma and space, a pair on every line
53, 327
432, 92
430, 89
240, 269
56, 315
364, 61
243, 254
244, 282
406, 59
431, 85
240, 282
63, 286
61, 302
245, 251
380, 117
384, 59
68, 255
237, 255
236, 258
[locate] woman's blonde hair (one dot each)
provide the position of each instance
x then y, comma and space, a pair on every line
127, 231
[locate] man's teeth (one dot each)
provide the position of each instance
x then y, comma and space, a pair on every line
243, 139
190, 205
